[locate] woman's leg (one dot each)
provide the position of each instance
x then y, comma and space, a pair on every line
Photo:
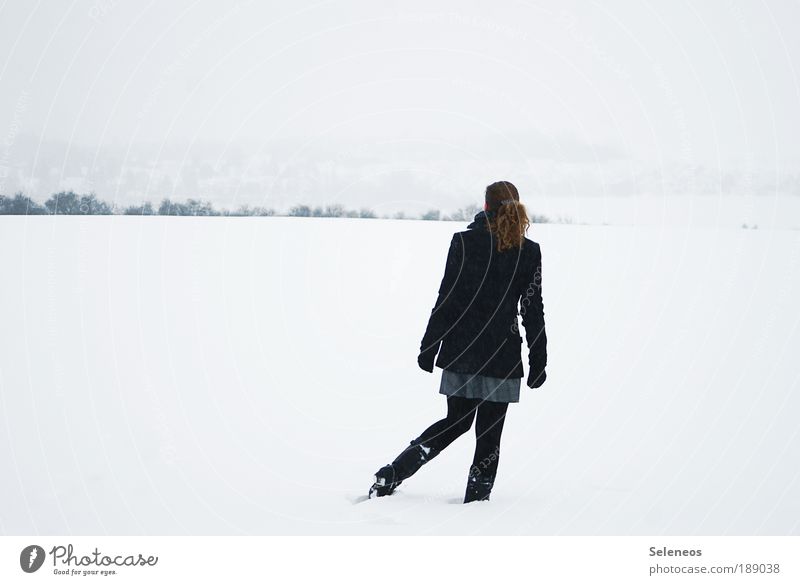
434, 439
460, 414
488, 429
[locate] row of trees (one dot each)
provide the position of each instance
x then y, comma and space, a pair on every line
69, 203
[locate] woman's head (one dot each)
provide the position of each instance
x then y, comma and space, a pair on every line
508, 218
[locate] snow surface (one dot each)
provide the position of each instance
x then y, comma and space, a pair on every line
248, 375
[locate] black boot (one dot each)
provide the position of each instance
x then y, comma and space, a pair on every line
389, 477
385, 482
479, 487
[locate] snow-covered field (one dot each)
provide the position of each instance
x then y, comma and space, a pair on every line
248, 375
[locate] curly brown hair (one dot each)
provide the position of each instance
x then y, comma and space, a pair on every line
510, 221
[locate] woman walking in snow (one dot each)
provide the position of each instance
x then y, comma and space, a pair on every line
492, 269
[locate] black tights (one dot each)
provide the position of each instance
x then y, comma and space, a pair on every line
460, 414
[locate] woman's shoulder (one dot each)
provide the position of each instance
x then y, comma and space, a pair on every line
472, 234
530, 244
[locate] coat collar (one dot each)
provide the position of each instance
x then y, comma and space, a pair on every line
481, 220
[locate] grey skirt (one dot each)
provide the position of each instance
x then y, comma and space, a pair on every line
481, 387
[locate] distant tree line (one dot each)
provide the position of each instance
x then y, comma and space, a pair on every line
70, 203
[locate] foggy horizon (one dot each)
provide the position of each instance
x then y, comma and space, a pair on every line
398, 106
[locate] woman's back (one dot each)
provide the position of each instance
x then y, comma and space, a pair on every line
477, 318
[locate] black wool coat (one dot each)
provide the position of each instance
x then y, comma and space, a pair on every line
474, 325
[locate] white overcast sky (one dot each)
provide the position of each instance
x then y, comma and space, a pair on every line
713, 83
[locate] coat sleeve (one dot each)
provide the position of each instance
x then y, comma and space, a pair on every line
532, 311
443, 314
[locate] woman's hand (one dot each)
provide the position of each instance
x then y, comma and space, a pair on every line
536, 378
425, 360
